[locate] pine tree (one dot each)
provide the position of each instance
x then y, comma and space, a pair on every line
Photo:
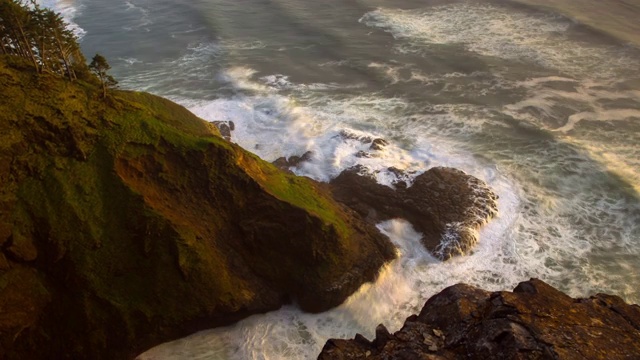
99, 66
41, 36
18, 26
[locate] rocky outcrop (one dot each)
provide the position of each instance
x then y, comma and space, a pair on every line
127, 222
446, 205
535, 321
225, 128
285, 164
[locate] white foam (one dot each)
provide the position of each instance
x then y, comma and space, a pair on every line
585, 102
130, 60
557, 209
492, 30
69, 10
144, 19
402, 288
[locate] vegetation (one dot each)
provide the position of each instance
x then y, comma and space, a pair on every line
128, 222
42, 37
99, 66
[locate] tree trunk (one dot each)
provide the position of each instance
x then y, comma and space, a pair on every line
63, 56
43, 54
17, 44
27, 46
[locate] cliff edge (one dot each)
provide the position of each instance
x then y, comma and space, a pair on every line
127, 222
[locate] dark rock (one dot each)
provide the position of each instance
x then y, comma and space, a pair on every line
346, 135
446, 205
382, 335
362, 340
282, 163
225, 128
538, 323
285, 164
378, 144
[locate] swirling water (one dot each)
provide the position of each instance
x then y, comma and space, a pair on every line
542, 105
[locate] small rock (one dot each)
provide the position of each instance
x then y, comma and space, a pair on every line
367, 354
438, 333
225, 127
428, 341
346, 135
378, 144
284, 164
362, 340
382, 334
433, 348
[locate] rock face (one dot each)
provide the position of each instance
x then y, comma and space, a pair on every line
446, 205
535, 321
129, 222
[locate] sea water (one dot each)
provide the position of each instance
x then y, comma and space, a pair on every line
541, 103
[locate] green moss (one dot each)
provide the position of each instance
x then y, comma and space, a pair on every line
147, 221
297, 191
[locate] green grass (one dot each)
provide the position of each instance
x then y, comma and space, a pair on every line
129, 196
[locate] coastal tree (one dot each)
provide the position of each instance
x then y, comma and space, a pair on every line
18, 26
41, 36
99, 66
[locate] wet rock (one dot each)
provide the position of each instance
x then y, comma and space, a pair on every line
225, 127
535, 321
363, 154
382, 335
347, 135
378, 144
285, 164
446, 205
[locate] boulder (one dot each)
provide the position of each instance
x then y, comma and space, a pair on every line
285, 164
225, 128
535, 321
446, 205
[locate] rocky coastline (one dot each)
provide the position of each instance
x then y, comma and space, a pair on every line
127, 221
535, 321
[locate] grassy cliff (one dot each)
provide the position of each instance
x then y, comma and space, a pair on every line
129, 221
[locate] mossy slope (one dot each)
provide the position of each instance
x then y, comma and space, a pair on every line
128, 222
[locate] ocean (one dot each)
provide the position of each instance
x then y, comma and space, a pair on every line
538, 98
